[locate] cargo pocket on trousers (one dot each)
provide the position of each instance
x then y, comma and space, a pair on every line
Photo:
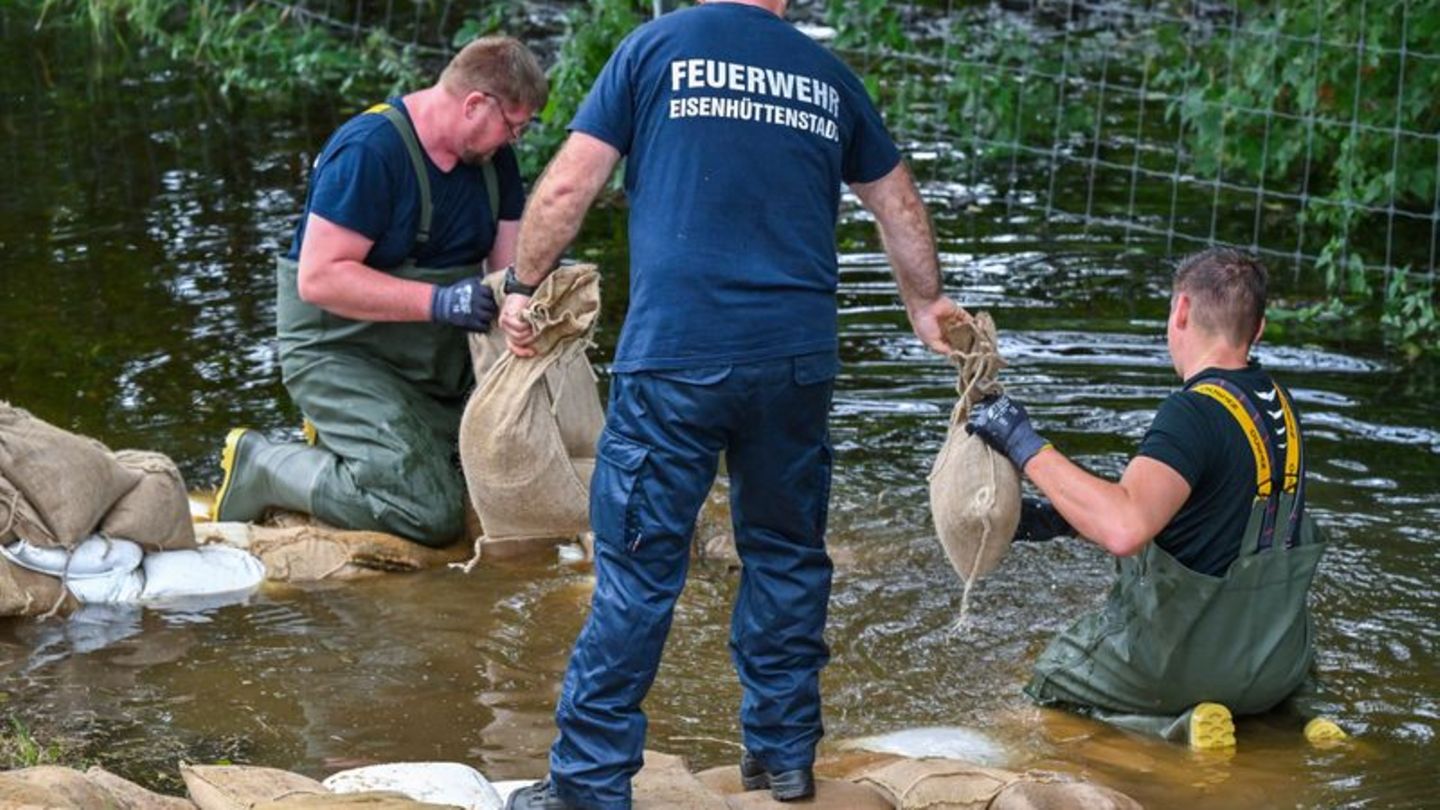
612, 511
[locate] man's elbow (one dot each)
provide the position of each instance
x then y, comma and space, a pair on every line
313, 284
1124, 540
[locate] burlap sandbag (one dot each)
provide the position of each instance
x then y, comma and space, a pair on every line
528, 435
579, 412
666, 783
156, 513
1061, 794
129, 796
369, 800
51, 786
242, 787
312, 552
974, 490
57, 485
937, 784
27, 593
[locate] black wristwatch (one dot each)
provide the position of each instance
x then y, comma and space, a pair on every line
513, 285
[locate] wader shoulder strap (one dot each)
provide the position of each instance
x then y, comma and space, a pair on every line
417, 159
1262, 446
492, 190
1243, 410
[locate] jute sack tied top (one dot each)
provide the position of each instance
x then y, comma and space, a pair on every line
974, 490
528, 434
55, 486
156, 513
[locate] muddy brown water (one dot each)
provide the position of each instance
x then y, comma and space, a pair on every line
138, 215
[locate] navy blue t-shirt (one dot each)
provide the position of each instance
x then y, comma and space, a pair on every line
1196, 437
738, 131
364, 180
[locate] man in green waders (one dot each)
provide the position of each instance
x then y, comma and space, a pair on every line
1215, 549
406, 205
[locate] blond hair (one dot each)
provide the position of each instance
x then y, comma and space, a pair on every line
501, 66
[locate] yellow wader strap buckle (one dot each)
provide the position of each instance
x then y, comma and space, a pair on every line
1243, 410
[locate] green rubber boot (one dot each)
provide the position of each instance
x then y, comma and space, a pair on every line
260, 474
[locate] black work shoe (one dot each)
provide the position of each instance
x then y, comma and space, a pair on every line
539, 796
785, 786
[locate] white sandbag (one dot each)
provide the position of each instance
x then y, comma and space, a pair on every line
436, 782
96, 556
209, 576
119, 588
937, 742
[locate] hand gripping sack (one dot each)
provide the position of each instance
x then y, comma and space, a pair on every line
974, 490
528, 434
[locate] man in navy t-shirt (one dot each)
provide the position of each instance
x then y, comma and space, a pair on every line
738, 132
376, 297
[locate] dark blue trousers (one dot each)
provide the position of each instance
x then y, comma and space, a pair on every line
657, 460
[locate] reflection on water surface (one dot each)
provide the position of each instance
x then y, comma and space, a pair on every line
139, 217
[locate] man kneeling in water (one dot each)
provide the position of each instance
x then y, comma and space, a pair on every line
1216, 552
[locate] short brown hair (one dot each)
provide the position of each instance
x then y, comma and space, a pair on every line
501, 66
1228, 288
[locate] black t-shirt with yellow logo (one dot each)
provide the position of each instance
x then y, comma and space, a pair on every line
1194, 435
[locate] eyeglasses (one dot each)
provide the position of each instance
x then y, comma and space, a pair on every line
515, 130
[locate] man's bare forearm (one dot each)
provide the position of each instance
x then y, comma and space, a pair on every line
565, 192
906, 233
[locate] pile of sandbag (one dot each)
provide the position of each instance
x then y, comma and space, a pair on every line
664, 783
974, 490
57, 488
944, 784
308, 551
79, 523
528, 434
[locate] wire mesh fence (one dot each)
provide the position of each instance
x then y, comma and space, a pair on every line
1306, 131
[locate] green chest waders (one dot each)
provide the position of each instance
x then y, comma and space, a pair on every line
1168, 637
384, 397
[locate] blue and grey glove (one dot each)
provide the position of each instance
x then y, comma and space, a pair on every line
1041, 521
468, 304
1004, 425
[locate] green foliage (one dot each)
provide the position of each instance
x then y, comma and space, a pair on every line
1409, 317
20, 749
593, 33
1326, 96
249, 48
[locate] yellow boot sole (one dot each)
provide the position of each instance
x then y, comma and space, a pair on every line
1211, 727
227, 464
1324, 731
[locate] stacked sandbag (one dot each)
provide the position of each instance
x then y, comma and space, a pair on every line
528, 434
937, 784
57, 788
830, 794
26, 593
55, 486
130, 796
946, 784
312, 552
1057, 793
156, 512
974, 490
243, 787
440, 783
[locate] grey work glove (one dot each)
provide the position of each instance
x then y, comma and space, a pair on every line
1004, 425
468, 303
1041, 521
